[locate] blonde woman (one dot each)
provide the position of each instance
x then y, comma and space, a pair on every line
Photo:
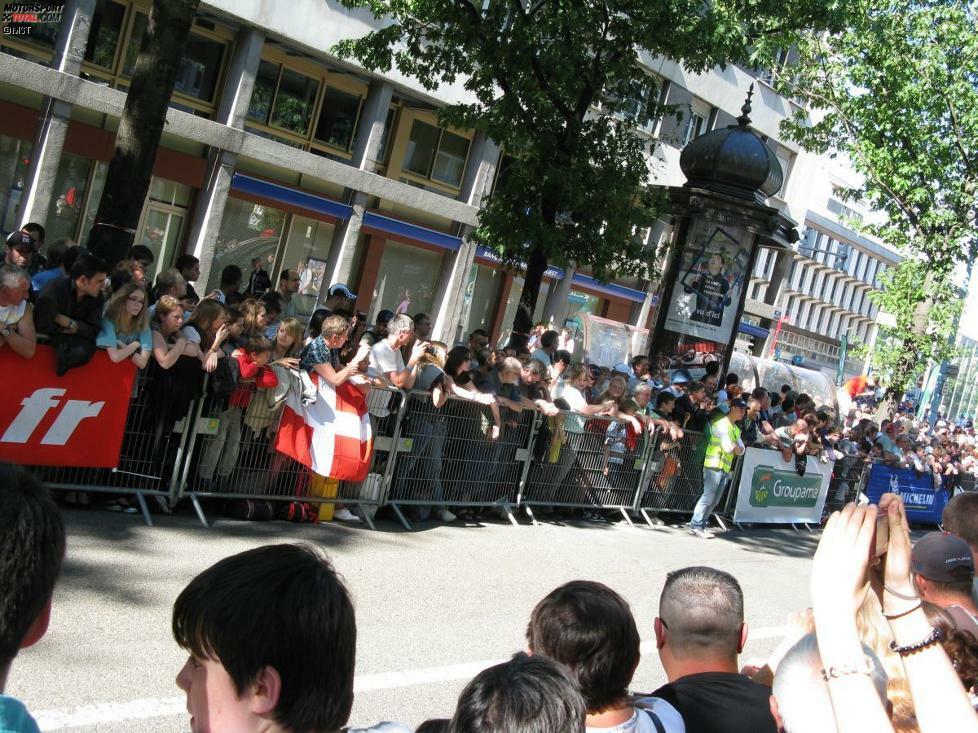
125, 330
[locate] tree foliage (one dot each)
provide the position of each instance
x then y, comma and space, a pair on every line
899, 93
550, 82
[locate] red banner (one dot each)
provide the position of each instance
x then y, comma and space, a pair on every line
74, 420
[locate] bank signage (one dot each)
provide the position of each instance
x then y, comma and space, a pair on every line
924, 503
770, 490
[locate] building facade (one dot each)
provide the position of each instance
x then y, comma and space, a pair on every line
827, 283
274, 149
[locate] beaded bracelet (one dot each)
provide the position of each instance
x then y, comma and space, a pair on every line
935, 636
833, 673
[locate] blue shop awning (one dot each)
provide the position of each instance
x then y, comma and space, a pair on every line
617, 291
752, 330
413, 232
289, 196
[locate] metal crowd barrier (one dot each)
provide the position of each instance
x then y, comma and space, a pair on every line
153, 448
849, 478
447, 458
231, 458
675, 478
584, 462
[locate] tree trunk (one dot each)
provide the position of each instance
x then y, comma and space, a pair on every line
536, 266
128, 178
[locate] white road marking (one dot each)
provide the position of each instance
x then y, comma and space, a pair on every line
159, 707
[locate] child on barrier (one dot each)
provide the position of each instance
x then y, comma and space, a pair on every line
32, 545
271, 635
224, 447
254, 318
621, 442
125, 330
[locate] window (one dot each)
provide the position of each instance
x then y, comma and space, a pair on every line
106, 33
283, 98
247, 230
695, 126
307, 249
338, 118
406, 280
294, 102
70, 185
132, 48
436, 154
14, 156
199, 68
264, 92
639, 107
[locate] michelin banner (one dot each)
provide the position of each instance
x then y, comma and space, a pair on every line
924, 502
772, 492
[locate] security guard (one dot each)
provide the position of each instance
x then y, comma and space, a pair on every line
724, 444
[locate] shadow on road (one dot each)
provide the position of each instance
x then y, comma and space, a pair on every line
781, 542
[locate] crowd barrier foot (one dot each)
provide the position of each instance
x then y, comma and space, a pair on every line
199, 510
400, 517
529, 513
653, 521
808, 527
368, 517
720, 521
628, 519
509, 513
144, 508
163, 504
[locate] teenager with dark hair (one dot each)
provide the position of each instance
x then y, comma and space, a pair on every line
189, 267
69, 310
271, 635
32, 548
590, 629
525, 695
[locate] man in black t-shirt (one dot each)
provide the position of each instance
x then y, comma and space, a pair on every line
699, 632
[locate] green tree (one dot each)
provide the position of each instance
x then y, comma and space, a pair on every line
899, 93
141, 126
554, 83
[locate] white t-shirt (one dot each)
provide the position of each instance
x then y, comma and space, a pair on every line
573, 397
641, 722
384, 359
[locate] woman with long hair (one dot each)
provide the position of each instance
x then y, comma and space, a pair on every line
208, 329
125, 330
255, 317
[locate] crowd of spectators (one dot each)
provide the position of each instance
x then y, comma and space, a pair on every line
256, 350
887, 645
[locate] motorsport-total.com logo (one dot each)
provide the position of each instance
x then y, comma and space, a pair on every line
19, 19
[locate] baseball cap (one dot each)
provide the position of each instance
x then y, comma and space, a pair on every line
385, 316
738, 402
943, 558
341, 289
21, 240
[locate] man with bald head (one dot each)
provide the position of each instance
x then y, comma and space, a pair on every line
700, 632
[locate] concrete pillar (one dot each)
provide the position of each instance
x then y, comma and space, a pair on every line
772, 294
344, 250
236, 97
454, 276
52, 127
557, 305
208, 213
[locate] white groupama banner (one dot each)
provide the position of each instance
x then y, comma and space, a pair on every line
771, 491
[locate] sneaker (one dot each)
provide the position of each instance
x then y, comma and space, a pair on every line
445, 515
345, 515
704, 534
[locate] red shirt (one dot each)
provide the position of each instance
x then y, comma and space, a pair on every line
252, 376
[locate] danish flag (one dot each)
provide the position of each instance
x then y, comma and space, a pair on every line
332, 435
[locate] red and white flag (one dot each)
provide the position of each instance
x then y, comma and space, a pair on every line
332, 435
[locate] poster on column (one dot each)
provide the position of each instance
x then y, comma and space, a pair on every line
706, 296
771, 491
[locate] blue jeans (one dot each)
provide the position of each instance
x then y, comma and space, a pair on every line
713, 482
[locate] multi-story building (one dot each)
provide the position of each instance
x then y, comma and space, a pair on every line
275, 149
828, 283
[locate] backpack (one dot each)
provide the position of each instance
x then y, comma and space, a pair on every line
225, 378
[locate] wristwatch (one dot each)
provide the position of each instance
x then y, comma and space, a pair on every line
72, 324
5, 332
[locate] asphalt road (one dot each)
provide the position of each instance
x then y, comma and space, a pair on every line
433, 606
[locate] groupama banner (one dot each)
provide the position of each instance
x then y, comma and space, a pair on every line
74, 420
771, 491
924, 503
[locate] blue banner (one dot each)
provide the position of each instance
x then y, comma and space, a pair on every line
924, 503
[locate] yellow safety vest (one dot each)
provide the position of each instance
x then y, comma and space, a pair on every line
715, 455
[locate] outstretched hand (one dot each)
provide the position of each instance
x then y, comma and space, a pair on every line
841, 561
